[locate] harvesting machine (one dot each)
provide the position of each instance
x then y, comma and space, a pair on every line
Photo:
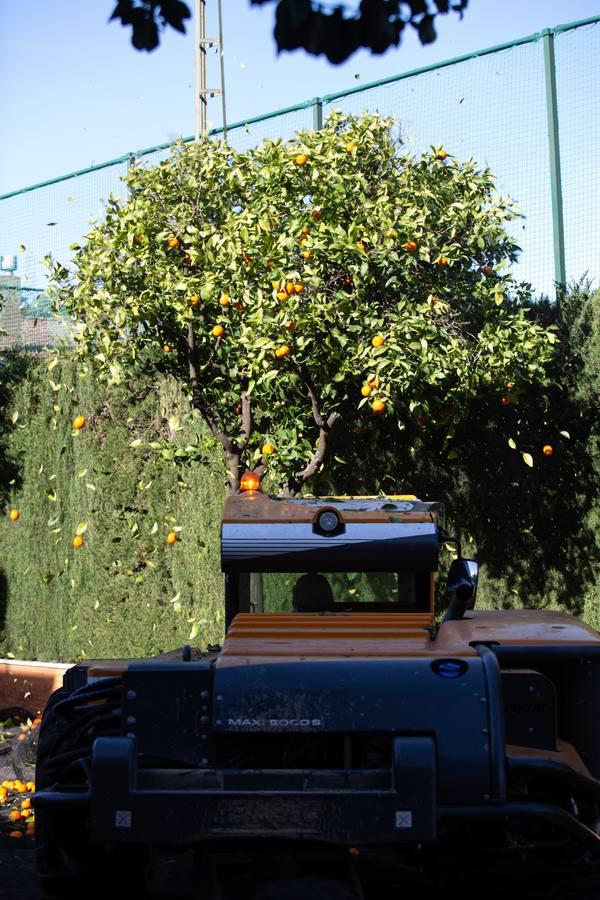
341, 723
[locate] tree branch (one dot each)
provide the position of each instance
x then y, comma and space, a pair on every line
207, 411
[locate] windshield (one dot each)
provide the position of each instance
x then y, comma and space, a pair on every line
339, 591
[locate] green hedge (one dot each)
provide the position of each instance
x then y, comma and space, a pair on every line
126, 592
113, 596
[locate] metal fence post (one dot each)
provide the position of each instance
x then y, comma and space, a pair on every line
317, 108
558, 228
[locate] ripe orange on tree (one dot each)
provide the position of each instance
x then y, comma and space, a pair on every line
307, 254
441, 154
504, 400
217, 331
298, 287
301, 159
282, 295
224, 300
267, 449
442, 261
548, 450
194, 300
14, 515
289, 287
173, 242
378, 340
350, 147
378, 406
410, 246
166, 349
374, 382
282, 350
78, 422
365, 390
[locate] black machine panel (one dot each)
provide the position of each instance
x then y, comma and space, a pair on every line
394, 696
529, 709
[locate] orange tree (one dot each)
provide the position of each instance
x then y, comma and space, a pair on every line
295, 286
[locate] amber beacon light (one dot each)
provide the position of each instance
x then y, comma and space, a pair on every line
250, 482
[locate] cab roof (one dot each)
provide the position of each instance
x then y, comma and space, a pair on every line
254, 506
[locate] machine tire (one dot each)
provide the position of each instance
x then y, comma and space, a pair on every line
70, 866
308, 888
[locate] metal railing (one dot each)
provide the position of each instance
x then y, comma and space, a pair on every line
526, 109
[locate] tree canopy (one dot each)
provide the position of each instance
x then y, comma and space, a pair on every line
297, 285
375, 25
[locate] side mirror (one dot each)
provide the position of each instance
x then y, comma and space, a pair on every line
461, 588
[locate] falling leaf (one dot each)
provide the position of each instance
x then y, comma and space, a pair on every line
96, 604
527, 459
22, 248
136, 443
81, 528
154, 528
52, 363
512, 444
81, 473
50, 224
193, 632
565, 434
14, 416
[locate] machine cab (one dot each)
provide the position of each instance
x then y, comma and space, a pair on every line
331, 555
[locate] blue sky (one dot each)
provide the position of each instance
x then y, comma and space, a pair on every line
74, 91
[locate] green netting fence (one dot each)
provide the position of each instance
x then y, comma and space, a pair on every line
527, 109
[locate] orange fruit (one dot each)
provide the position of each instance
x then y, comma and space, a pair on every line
26, 804
442, 261
267, 449
78, 541
350, 147
194, 300
378, 340
410, 246
16, 834
307, 254
360, 245
299, 288
281, 295
166, 349
374, 382
289, 287
378, 406
173, 242
14, 515
78, 422
224, 300
282, 350
365, 390
504, 400
217, 331
301, 159
172, 537
304, 232
14, 815
30, 785
275, 285
548, 450
441, 154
